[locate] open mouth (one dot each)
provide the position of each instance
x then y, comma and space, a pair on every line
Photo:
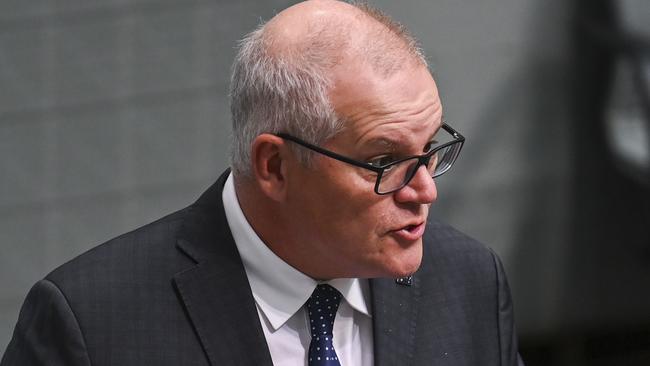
411, 228
410, 232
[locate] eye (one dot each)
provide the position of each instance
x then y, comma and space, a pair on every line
381, 160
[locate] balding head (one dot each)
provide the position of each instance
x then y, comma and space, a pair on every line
285, 70
296, 25
341, 32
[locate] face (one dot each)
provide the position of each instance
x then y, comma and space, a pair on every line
350, 229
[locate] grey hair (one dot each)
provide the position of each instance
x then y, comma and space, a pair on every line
286, 90
282, 92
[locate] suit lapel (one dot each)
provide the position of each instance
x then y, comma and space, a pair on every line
215, 292
394, 316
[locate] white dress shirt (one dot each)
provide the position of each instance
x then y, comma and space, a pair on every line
280, 293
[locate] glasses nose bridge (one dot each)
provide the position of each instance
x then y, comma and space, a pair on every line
421, 161
422, 187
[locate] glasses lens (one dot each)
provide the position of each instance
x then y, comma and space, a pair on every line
443, 159
398, 175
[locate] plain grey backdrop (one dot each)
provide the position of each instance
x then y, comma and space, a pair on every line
115, 112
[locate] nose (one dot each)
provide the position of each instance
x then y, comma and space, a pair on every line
421, 189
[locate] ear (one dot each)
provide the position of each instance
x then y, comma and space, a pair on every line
269, 155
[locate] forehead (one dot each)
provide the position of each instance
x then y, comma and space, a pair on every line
400, 109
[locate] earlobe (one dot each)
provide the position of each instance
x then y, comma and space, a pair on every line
268, 157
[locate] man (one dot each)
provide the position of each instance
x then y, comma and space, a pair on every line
313, 250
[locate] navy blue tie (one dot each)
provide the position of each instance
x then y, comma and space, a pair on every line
322, 307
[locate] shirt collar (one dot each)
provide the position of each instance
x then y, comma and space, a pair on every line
279, 289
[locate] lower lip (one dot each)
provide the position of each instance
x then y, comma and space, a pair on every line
411, 234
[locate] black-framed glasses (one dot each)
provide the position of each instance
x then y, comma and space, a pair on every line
397, 174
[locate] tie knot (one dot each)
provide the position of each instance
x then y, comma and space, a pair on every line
322, 307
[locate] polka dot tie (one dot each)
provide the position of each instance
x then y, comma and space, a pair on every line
322, 307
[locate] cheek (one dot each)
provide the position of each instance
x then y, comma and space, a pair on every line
364, 214
343, 203
363, 228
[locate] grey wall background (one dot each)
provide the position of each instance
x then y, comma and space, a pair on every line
114, 113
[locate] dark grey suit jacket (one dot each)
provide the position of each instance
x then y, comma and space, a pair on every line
175, 292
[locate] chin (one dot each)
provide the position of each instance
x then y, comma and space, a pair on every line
406, 269
403, 264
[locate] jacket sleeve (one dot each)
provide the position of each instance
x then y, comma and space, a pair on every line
507, 333
47, 332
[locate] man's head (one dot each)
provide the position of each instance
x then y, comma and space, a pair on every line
347, 79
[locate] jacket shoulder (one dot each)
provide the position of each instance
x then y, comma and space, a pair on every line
466, 294
441, 238
461, 258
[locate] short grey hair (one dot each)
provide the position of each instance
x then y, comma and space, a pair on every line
282, 92
286, 90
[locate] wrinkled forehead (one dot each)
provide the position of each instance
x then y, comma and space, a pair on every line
403, 108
